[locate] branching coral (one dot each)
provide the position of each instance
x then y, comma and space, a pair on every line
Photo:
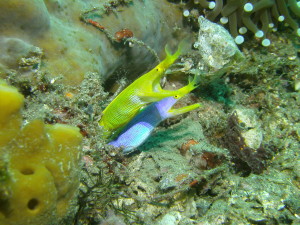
257, 16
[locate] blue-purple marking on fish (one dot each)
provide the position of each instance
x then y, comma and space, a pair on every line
141, 126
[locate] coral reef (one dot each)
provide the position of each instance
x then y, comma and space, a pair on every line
39, 166
211, 166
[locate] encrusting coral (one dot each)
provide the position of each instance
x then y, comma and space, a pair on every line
39, 172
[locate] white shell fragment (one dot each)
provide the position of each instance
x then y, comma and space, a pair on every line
251, 129
216, 46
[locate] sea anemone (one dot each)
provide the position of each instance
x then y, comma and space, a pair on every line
240, 16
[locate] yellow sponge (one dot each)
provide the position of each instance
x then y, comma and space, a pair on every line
39, 172
10, 120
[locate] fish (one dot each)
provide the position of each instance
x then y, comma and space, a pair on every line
143, 91
142, 125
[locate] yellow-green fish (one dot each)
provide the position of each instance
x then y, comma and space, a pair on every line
144, 90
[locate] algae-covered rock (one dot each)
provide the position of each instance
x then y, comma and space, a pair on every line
39, 172
27, 16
